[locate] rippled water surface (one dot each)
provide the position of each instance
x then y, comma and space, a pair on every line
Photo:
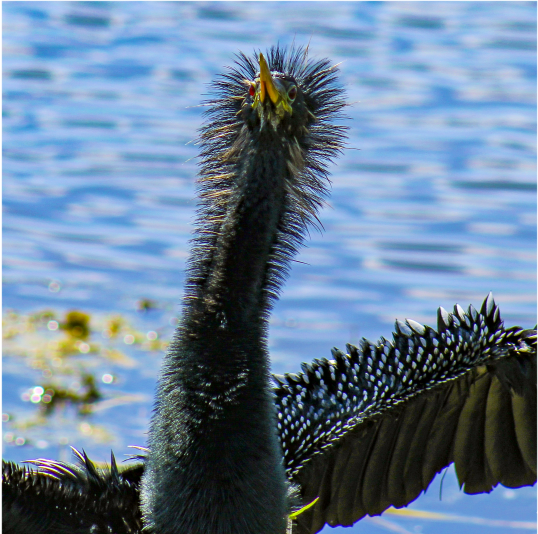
434, 203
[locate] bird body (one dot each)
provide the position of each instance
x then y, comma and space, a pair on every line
215, 463
229, 451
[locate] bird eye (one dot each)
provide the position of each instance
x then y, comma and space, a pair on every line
252, 90
292, 93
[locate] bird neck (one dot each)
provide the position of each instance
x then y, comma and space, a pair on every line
234, 288
226, 309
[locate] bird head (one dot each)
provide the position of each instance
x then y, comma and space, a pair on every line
284, 96
273, 95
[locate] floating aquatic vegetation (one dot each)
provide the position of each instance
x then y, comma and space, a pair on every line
70, 360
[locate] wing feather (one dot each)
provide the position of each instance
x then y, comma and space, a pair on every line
389, 417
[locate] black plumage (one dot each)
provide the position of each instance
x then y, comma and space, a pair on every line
229, 452
71, 499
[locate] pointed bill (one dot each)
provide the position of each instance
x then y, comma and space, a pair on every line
267, 85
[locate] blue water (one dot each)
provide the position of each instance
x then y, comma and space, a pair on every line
434, 202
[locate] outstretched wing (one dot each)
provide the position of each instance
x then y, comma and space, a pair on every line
64, 498
370, 429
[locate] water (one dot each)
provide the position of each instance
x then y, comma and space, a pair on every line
434, 203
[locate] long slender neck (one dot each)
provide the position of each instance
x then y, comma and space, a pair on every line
233, 288
214, 429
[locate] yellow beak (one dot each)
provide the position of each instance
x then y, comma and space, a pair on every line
266, 82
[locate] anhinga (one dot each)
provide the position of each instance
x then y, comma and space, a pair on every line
231, 452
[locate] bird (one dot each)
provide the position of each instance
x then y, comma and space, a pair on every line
234, 449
